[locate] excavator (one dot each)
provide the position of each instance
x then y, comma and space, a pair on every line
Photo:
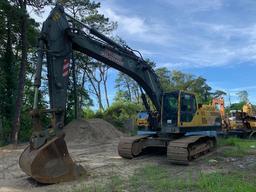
249, 115
239, 123
243, 122
46, 159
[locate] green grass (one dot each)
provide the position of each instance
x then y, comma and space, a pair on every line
233, 141
238, 147
229, 182
158, 178
154, 178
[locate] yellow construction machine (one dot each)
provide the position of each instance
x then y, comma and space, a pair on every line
243, 119
142, 120
177, 113
249, 115
240, 123
181, 114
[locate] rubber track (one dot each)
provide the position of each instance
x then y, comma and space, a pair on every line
125, 146
178, 153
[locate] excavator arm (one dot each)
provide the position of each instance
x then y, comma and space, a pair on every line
46, 159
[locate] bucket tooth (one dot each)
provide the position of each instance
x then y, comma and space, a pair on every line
51, 163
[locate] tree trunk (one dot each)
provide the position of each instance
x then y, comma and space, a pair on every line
99, 97
1, 132
80, 99
96, 88
9, 71
136, 94
129, 91
74, 86
22, 72
106, 93
105, 86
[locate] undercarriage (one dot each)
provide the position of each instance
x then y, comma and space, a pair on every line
179, 150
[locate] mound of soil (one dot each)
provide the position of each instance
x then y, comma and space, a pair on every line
90, 131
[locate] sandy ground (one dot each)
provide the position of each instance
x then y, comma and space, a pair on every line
101, 161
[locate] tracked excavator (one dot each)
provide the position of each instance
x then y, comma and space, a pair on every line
242, 123
236, 123
47, 160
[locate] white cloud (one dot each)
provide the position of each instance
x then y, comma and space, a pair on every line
139, 29
132, 25
212, 45
247, 88
227, 30
149, 52
189, 43
174, 65
195, 5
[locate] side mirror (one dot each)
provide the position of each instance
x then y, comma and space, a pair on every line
200, 105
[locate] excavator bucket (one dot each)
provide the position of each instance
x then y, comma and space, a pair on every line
51, 163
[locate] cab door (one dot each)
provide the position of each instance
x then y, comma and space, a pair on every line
188, 107
170, 109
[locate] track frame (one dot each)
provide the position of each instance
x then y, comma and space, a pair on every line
179, 150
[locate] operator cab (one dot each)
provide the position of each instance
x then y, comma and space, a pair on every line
178, 107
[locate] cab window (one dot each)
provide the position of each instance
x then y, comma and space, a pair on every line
187, 107
170, 112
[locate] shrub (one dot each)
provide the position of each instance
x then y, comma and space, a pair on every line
99, 114
120, 112
88, 113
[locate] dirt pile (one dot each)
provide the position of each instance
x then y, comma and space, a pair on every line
90, 131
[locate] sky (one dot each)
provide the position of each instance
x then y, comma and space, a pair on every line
215, 39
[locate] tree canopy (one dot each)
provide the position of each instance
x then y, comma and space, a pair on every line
88, 90
178, 80
243, 96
